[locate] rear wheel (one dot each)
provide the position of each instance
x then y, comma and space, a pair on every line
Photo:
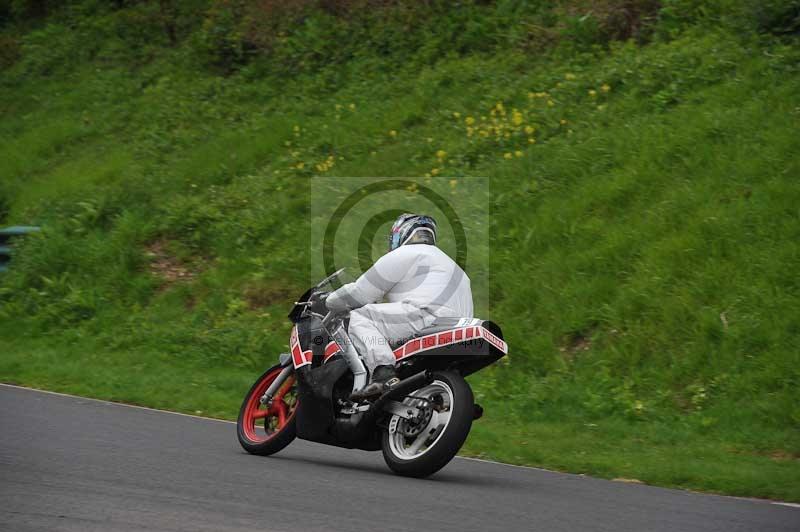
264, 429
420, 447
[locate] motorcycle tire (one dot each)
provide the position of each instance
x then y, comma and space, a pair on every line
446, 444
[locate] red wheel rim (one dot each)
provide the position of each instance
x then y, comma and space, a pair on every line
277, 415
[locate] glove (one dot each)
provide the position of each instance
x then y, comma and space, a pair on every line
317, 305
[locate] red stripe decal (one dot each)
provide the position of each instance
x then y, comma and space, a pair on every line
447, 338
297, 356
495, 341
412, 347
331, 349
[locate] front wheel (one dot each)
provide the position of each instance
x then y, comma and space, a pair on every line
421, 447
268, 429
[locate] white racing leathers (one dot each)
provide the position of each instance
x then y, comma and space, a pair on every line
419, 282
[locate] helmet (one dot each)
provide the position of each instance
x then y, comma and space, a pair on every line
412, 229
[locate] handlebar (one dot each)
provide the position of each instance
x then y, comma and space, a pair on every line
316, 296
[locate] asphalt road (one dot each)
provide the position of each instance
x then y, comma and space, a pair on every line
68, 463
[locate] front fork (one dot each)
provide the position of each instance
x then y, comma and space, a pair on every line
266, 399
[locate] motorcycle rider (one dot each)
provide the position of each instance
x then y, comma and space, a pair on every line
419, 283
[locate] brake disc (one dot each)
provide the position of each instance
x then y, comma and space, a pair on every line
412, 427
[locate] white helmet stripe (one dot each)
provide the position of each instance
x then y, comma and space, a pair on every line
428, 229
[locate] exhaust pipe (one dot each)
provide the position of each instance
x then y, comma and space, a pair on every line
405, 387
398, 391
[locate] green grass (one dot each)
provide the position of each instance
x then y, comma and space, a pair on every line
642, 251
147, 378
660, 454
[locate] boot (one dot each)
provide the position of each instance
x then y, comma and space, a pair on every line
383, 378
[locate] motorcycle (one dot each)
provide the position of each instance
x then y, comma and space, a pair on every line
419, 424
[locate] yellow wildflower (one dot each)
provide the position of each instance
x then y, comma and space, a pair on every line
453, 183
456, 115
569, 76
518, 153
441, 154
470, 131
507, 155
392, 133
434, 171
352, 107
529, 129
592, 93
550, 103
516, 118
469, 120
563, 122
300, 165
296, 129
531, 140
605, 87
